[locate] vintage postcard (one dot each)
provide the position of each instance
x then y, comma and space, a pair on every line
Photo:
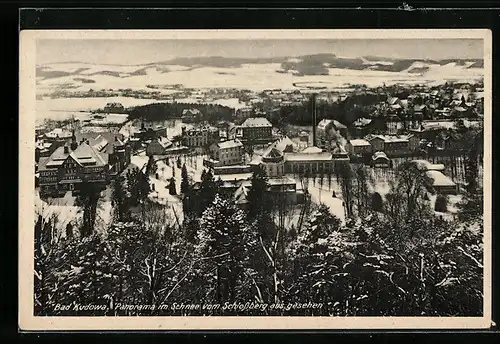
253, 179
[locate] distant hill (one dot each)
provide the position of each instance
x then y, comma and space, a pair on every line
312, 64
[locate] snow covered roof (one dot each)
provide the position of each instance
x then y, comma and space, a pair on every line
84, 155
241, 194
43, 145
272, 152
101, 144
379, 155
284, 143
324, 123
85, 152
281, 181
338, 149
311, 150
229, 144
58, 133
390, 138
164, 142
392, 100
256, 122
359, 143
424, 165
471, 124
324, 156
235, 176
104, 141
361, 122
256, 159
201, 129
439, 179
455, 102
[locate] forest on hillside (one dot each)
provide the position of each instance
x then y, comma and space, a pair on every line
162, 111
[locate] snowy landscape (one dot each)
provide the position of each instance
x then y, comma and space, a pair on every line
304, 185
255, 77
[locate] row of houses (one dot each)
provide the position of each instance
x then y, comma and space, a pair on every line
392, 145
426, 135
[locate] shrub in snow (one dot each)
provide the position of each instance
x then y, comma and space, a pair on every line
377, 202
441, 204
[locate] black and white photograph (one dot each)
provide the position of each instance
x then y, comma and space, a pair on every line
240, 175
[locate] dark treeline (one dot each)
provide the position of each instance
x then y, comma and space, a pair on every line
163, 111
393, 256
345, 111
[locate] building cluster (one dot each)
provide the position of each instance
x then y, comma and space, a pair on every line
154, 139
327, 130
86, 158
279, 159
202, 136
68, 159
448, 102
191, 115
392, 145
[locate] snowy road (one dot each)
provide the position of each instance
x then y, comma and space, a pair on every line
321, 195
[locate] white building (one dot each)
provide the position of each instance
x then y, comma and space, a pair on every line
225, 153
359, 147
438, 181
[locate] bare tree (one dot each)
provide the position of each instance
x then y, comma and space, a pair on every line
47, 240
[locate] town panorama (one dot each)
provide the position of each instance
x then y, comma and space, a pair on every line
312, 184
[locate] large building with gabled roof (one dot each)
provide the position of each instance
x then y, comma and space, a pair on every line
255, 129
71, 166
113, 146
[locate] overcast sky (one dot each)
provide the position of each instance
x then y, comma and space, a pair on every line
128, 52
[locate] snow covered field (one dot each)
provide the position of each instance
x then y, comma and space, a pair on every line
322, 195
65, 211
256, 77
64, 108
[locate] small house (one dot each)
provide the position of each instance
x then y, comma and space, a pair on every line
158, 146
358, 147
380, 159
440, 183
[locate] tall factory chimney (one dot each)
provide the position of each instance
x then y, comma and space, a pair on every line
314, 121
